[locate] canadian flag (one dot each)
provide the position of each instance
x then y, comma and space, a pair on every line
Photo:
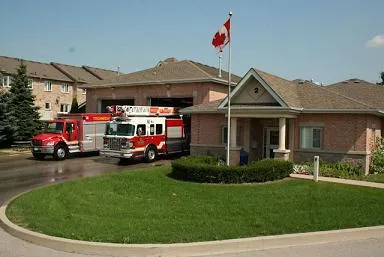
222, 37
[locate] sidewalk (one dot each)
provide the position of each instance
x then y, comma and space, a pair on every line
341, 181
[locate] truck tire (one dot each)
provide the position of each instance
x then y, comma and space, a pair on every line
38, 156
150, 154
60, 152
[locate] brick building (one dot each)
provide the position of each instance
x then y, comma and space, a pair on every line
271, 117
276, 118
53, 84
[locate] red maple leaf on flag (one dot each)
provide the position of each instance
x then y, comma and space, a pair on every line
222, 37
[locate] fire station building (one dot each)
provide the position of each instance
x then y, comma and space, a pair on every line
271, 117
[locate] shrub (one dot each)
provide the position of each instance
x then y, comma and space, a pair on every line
342, 169
207, 169
377, 161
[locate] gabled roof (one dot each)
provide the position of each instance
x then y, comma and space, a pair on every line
76, 73
9, 65
167, 72
101, 73
55, 71
305, 96
362, 91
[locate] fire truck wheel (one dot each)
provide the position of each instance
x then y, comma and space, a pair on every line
151, 154
38, 156
60, 152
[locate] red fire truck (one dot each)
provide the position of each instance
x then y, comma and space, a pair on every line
71, 133
144, 132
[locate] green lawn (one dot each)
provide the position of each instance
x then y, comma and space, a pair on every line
146, 206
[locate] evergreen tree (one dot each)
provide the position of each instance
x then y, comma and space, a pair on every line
74, 106
5, 128
23, 114
382, 78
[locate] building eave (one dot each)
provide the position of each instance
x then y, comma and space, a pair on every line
158, 82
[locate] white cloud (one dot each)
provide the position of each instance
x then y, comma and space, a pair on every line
376, 42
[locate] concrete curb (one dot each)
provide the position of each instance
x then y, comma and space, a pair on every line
341, 181
190, 249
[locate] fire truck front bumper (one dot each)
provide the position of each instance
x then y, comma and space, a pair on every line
43, 149
116, 154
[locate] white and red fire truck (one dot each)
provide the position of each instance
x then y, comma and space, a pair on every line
71, 133
144, 132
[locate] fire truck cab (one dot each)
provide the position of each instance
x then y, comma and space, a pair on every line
144, 132
70, 133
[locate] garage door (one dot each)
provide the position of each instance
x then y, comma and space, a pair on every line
181, 102
105, 103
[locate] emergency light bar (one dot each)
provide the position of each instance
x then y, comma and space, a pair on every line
136, 110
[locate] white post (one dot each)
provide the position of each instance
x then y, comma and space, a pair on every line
316, 168
282, 134
229, 94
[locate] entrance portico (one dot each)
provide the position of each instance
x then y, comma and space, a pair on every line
260, 120
261, 137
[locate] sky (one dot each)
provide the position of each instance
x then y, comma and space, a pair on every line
327, 41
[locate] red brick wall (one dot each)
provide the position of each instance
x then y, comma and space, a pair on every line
374, 131
341, 132
206, 128
201, 93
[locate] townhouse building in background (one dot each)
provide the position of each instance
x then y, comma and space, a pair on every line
54, 85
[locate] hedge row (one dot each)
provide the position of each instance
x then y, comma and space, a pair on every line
207, 169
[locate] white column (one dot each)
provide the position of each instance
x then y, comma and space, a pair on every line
247, 138
291, 139
233, 132
281, 133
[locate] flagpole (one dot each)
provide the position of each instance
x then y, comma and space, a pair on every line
229, 94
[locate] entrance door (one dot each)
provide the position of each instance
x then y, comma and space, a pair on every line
271, 141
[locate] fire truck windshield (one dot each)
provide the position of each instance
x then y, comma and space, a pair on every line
54, 127
120, 129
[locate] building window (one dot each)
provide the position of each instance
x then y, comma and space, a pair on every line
224, 135
30, 83
47, 106
64, 88
64, 107
84, 91
311, 137
47, 86
6, 81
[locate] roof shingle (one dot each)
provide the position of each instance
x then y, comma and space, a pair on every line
168, 71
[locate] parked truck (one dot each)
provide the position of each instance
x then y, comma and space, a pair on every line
69, 134
144, 132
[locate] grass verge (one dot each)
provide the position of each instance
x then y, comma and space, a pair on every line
146, 206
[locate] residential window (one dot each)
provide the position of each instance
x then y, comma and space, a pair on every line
30, 83
47, 106
47, 86
64, 107
311, 137
84, 91
6, 81
224, 135
64, 88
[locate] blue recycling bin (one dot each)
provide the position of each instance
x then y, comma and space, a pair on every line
243, 157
